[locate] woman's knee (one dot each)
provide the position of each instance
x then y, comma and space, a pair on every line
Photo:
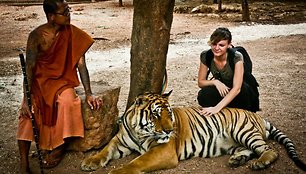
208, 96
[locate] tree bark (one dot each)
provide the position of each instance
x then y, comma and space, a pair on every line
245, 11
219, 5
152, 22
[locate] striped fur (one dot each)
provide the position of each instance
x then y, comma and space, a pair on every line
164, 135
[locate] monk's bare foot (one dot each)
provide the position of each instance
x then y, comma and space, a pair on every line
52, 159
24, 170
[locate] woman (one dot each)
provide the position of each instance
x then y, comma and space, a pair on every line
226, 87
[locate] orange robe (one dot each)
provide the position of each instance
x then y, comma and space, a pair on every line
54, 73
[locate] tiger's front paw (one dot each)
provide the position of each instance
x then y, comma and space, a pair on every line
90, 164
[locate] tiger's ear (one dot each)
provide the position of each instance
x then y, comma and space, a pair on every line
166, 95
138, 101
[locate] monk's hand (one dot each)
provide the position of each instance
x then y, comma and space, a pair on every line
24, 110
94, 102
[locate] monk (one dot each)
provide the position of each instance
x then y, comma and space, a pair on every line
55, 52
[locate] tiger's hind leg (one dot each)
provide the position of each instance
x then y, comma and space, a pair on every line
266, 154
267, 157
240, 156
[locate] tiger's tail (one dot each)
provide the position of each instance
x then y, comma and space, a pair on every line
283, 139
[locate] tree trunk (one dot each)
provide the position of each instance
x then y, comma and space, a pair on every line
245, 11
120, 3
150, 39
219, 5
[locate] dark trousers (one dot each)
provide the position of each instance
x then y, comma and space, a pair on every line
246, 99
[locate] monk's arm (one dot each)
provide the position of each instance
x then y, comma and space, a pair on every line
31, 57
84, 75
94, 102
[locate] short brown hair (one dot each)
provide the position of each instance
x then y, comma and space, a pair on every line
219, 34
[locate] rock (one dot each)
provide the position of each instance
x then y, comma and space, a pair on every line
202, 9
182, 9
99, 125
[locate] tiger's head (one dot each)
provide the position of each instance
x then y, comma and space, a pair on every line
153, 117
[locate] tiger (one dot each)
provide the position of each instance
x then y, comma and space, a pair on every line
164, 136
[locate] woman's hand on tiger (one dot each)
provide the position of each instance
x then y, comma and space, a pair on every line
209, 111
222, 88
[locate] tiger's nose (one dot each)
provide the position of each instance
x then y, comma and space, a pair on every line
168, 131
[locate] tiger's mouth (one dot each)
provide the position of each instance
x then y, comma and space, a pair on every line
163, 140
163, 137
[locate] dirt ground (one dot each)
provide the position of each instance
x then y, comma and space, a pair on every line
278, 64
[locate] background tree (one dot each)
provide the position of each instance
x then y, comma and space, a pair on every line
152, 22
219, 5
245, 10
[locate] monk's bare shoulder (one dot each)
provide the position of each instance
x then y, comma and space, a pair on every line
36, 35
41, 38
34, 44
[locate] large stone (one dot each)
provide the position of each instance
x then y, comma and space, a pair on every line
100, 124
